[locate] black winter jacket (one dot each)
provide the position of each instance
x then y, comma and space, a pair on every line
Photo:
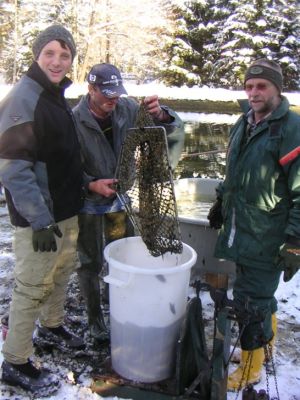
40, 164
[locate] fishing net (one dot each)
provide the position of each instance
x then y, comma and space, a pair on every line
145, 186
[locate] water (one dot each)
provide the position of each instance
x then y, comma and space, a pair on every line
210, 137
143, 353
194, 197
193, 209
204, 133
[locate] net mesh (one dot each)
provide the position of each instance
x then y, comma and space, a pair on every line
145, 186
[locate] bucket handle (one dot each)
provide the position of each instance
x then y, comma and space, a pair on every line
115, 281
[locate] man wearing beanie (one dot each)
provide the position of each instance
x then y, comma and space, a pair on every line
258, 212
41, 171
103, 118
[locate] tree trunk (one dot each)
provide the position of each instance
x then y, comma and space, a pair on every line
84, 65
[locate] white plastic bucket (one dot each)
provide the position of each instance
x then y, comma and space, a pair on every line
148, 297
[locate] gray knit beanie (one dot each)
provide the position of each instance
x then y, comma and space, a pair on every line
265, 69
53, 32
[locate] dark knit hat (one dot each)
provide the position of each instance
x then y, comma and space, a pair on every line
53, 32
108, 79
271, 72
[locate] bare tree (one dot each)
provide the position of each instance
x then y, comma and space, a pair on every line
129, 34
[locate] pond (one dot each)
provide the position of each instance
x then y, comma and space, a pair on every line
204, 151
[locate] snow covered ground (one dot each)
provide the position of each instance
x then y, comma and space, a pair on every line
76, 373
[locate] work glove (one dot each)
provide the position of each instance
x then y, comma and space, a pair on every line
44, 239
215, 215
289, 258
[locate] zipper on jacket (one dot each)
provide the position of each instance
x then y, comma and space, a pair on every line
233, 230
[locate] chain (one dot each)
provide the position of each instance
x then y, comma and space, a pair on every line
247, 365
268, 351
241, 330
269, 356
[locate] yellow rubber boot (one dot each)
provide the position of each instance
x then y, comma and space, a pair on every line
274, 329
271, 344
236, 357
249, 370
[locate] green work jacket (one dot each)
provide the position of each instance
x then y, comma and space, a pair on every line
261, 191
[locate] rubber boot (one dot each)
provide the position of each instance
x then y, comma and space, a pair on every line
98, 329
249, 370
38, 381
90, 289
274, 329
271, 345
236, 357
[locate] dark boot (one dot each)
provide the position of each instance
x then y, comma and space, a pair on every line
4, 325
98, 329
27, 376
90, 289
59, 337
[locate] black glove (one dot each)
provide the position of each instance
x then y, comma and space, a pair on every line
44, 239
215, 215
289, 258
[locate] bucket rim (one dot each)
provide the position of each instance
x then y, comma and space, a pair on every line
148, 271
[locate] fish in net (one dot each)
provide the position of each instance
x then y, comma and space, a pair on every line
145, 186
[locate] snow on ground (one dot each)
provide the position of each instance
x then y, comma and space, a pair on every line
76, 375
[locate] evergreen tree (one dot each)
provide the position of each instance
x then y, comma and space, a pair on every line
216, 41
213, 43
284, 44
193, 52
263, 28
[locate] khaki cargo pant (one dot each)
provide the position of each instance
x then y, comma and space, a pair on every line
41, 280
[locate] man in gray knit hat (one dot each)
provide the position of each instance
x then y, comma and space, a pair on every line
53, 32
42, 173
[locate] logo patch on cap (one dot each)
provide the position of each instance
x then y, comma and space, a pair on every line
108, 92
92, 78
256, 70
15, 118
114, 81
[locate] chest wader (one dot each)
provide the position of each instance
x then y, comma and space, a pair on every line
110, 227
116, 226
251, 364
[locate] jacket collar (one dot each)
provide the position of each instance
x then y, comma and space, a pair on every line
84, 113
36, 73
279, 112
